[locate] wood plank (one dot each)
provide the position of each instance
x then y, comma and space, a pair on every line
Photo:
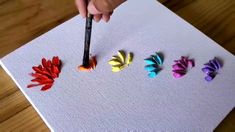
24, 20
227, 125
7, 85
12, 104
215, 18
26, 121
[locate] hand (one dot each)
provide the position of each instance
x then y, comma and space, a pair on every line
101, 9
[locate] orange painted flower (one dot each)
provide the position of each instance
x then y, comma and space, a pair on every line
92, 65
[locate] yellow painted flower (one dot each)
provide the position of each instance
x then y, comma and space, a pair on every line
120, 61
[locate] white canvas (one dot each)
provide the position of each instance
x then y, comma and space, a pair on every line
104, 101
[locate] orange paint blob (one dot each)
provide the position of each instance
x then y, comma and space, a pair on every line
92, 65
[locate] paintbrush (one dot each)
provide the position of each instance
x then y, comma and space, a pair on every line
88, 29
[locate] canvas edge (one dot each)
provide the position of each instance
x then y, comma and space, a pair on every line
192, 26
8, 72
27, 97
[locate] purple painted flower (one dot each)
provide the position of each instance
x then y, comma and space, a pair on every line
211, 68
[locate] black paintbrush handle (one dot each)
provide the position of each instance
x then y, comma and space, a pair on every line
88, 30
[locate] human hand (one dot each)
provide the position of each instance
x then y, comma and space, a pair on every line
101, 9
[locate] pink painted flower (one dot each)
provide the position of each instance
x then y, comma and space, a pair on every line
181, 66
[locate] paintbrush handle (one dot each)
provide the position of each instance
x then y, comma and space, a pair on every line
88, 30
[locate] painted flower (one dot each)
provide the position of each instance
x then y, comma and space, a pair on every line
92, 65
181, 66
154, 64
211, 69
120, 61
45, 73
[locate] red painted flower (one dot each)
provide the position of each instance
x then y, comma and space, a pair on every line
46, 73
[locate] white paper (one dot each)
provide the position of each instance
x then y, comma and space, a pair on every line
128, 100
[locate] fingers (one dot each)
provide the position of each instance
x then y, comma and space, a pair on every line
97, 14
82, 8
106, 6
92, 9
106, 17
97, 17
101, 9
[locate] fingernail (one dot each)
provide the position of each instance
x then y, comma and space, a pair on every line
107, 20
95, 20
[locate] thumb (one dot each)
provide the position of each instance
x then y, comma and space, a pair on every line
103, 6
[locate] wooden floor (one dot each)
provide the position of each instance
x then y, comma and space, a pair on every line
23, 20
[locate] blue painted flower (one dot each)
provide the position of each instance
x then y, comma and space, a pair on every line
154, 64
